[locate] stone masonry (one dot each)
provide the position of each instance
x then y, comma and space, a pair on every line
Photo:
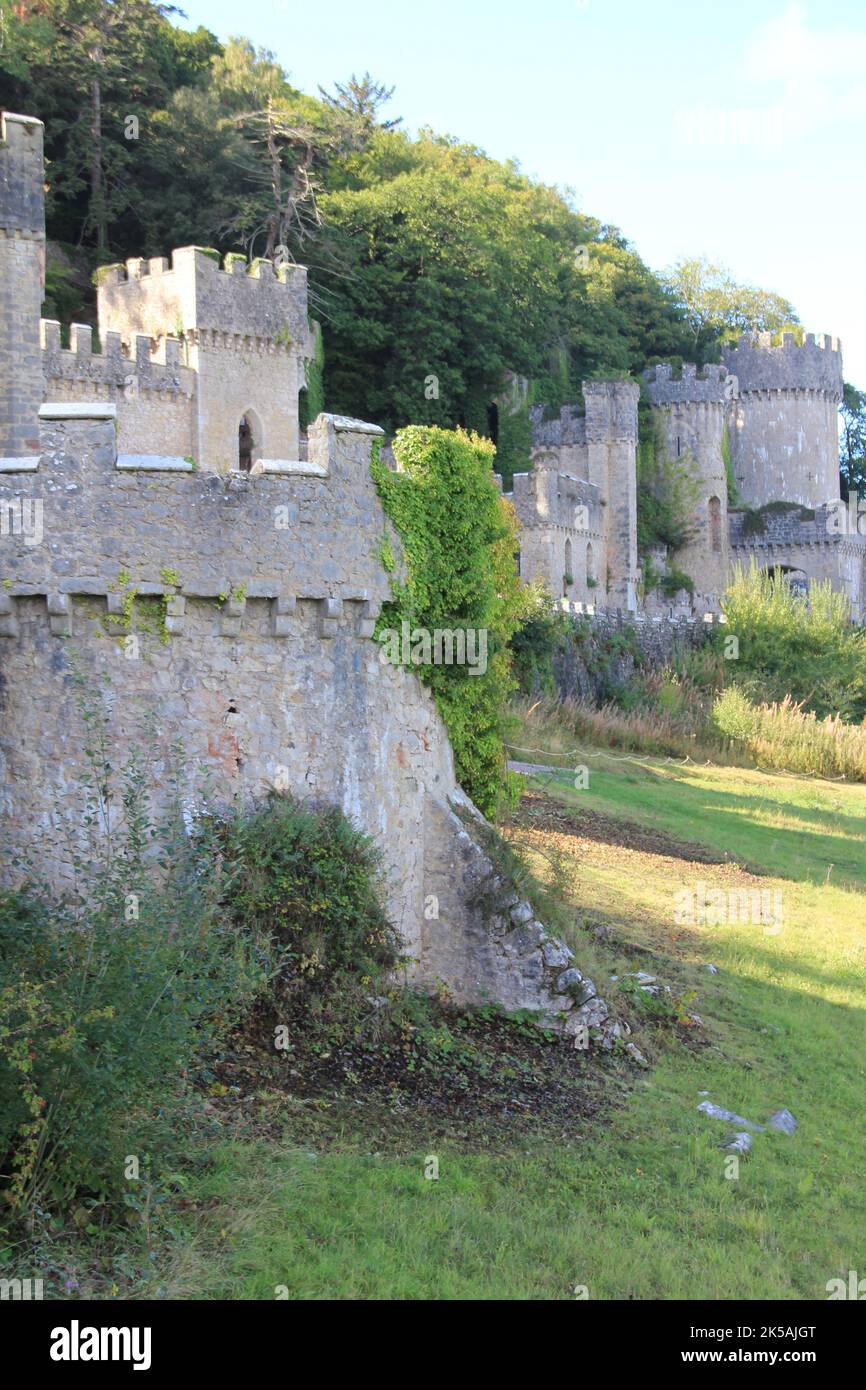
232, 609
774, 408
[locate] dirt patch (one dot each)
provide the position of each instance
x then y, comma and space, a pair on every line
477, 1076
538, 811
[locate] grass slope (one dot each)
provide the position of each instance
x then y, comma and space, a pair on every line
636, 1204
641, 1208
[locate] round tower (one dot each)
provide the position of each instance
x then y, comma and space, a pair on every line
784, 419
690, 416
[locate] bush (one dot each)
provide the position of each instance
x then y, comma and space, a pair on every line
306, 880
783, 737
790, 646
110, 1003
733, 715
546, 631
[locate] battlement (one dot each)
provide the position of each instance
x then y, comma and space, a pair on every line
243, 305
687, 387
181, 533
568, 427
22, 202
142, 365
759, 365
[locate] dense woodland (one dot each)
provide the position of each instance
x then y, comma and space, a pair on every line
434, 269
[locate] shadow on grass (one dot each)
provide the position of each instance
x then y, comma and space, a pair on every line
667, 799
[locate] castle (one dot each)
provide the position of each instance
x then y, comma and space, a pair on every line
767, 416
164, 476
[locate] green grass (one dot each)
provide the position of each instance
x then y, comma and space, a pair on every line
640, 1206
793, 827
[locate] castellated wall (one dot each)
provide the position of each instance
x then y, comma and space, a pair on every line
825, 546
152, 389
245, 336
785, 419
578, 505
691, 413
267, 678
22, 269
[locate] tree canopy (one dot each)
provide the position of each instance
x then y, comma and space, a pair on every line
434, 269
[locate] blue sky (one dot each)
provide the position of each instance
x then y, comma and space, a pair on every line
730, 130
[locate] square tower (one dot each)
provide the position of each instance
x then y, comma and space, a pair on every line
22, 278
245, 334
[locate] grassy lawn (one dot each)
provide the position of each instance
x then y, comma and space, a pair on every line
639, 1206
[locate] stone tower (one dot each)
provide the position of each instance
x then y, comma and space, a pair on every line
784, 425
690, 412
243, 332
578, 505
611, 443
22, 278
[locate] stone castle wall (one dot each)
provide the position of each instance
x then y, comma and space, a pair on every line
265, 675
22, 270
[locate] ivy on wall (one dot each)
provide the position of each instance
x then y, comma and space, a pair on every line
312, 401
459, 537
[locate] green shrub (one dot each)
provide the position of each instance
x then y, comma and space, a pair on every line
545, 632
110, 1003
673, 580
306, 880
790, 646
733, 714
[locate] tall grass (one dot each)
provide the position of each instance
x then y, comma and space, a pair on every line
784, 736
807, 649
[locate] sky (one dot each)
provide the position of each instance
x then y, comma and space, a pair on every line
730, 130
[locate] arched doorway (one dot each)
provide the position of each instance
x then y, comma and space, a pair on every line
796, 579
249, 440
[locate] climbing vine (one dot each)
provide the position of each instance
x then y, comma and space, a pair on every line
458, 537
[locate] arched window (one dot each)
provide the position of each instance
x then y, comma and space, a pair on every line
590, 565
249, 440
568, 573
715, 514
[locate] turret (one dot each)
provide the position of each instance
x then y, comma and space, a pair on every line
784, 418
22, 279
611, 443
244, 333
690, 412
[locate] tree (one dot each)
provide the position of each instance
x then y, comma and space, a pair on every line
355, 106
852, 444
717, 308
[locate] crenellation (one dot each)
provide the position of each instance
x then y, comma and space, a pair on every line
168, 466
